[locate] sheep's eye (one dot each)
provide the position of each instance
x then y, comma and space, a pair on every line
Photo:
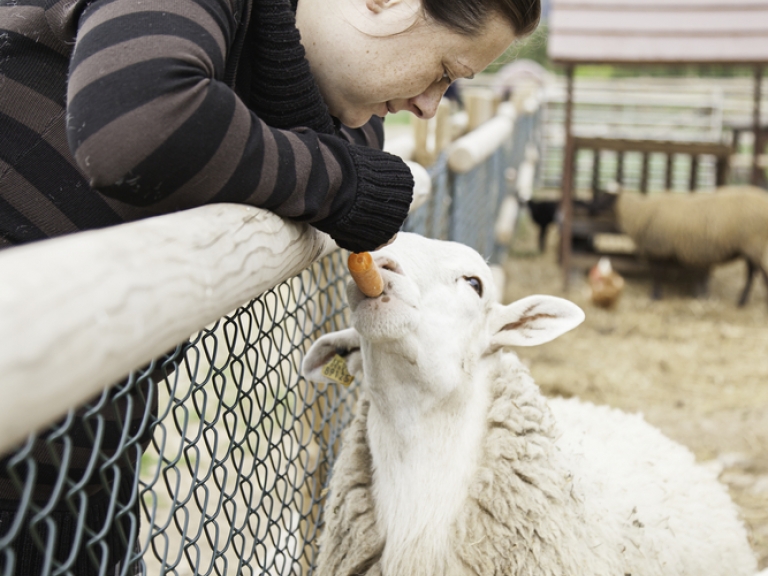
476, 284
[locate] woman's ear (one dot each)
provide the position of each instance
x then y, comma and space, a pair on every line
378, 6
375, 6
381, 17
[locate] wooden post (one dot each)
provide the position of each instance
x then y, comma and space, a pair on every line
757, 177
644, 173
566, 202
694, 172
668, 182
620, 168
480, 106
595, 171
443, 132
721, 176
736, 140
431, 137
421, 152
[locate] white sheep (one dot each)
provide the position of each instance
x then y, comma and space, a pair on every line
700, 230
456, 464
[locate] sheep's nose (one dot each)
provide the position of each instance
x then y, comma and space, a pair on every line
387, 263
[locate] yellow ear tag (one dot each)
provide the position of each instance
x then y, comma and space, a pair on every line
336, 370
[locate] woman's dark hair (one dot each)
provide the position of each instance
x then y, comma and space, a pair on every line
469, 16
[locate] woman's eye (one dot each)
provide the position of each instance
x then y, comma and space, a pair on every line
446, 77
475, 283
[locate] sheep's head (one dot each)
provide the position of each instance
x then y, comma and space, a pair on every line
438, 316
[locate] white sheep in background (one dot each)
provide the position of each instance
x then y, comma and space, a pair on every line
456, 464
700, 230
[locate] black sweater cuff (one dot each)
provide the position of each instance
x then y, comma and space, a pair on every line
384, 194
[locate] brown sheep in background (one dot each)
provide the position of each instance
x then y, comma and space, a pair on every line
700, 230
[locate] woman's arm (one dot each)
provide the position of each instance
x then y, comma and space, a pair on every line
151, 123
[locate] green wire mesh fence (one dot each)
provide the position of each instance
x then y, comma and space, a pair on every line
213, 459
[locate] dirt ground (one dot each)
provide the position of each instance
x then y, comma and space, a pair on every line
696, 368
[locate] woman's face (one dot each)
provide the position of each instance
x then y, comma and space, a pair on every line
374, 58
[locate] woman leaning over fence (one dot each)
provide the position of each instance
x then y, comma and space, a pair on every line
115, 110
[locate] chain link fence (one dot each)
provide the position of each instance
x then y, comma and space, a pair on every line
213, 459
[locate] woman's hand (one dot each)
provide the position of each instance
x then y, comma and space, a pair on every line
388, 243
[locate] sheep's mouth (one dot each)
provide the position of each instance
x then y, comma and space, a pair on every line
397, 293
385, 268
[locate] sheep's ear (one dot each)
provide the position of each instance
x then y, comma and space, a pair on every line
533, 320
334, 357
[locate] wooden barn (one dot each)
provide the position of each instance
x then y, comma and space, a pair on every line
647, 32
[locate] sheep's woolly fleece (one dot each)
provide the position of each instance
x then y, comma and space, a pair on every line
700, 229
577, 489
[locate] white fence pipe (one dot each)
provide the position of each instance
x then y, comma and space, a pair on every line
422, 184
80, 312
402, 145
473, 148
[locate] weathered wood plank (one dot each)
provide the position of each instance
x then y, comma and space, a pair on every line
642, 20
674, 31
664, 146
669, 5
618, 49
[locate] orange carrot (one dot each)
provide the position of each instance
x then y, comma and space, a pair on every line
365, 273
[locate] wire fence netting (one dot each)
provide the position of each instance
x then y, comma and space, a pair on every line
213, 458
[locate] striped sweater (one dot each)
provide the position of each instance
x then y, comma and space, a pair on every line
114, 110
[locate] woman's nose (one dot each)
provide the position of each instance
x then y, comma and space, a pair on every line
425, 104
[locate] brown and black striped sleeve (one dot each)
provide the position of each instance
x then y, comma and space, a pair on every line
153, 126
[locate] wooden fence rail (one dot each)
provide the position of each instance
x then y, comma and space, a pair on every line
80, 312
